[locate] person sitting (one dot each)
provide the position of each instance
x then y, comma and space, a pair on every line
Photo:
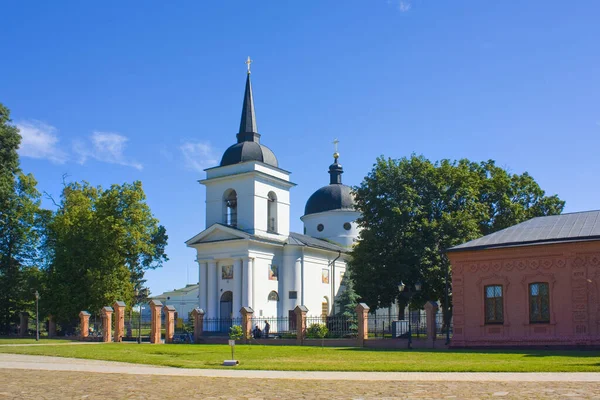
256, 333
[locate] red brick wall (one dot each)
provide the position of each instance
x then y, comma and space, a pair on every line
572, 271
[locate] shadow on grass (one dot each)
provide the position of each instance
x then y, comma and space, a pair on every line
525, 353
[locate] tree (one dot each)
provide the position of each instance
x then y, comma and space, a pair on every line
21, 220
347, 302
100, 242
413, 209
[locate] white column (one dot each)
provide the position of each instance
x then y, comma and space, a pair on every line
203, 287
212, 300
250, 262
245, 287
297, 286
237, 287
285, 284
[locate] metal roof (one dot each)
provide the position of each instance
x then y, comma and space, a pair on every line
248, 147
335, 196
579, 226
305, 240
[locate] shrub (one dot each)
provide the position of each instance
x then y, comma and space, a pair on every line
236, 332
317, 331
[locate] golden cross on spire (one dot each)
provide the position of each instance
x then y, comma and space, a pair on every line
336, 155
248, 62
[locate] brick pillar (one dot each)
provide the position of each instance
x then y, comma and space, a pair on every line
247, 313
300, 312
362, 313
169, 323
24, 324
431, 308
155, 309
198, 315
51, 326
107, 324
119, 307
84, 324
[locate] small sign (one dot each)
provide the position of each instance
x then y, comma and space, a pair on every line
232, 342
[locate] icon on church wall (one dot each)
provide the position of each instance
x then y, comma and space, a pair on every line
325, 276
227, 272
273, 273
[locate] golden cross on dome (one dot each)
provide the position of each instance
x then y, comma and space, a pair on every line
336, 155
248, 62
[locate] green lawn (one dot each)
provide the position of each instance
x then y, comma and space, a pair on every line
292, 358
13, 340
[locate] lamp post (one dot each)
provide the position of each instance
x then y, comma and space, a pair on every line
139, 296
447, 308
37, 318
408, 294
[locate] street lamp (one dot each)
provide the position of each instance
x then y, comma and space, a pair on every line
408, 294
37, 318
139, 296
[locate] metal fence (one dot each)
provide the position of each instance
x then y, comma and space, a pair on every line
337, 326
389, 326
278, 327
220, 326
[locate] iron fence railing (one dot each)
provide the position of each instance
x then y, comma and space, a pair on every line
389, 326
278, 327
337, 326
220, 326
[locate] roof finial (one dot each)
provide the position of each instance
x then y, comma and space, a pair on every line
336, 155
248, 62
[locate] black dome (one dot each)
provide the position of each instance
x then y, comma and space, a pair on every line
249, 151
331, 197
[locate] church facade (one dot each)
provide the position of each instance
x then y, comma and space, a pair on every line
247, 255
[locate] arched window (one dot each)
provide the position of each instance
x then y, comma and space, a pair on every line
273, 296
272, 212
230, 200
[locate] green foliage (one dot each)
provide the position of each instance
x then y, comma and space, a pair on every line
413, 209
347, 301
21, 222
317, 331
236, 332
99, 243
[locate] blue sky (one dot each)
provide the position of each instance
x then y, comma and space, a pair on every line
110, 92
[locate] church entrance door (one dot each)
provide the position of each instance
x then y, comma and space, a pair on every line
226, 312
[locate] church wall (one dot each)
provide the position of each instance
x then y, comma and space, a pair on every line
262, 189
263, 285
333, 224
215, 206
290, 278
320, 280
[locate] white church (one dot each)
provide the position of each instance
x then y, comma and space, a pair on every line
247, 255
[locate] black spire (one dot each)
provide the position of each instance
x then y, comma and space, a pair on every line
335, 171
248, 131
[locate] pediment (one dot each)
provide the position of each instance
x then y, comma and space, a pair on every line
217, 233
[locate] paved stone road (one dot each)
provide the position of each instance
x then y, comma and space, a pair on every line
35, 377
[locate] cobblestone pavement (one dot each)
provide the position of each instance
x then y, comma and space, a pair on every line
27, 384
39, 377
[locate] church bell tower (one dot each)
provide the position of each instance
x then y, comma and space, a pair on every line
248, 191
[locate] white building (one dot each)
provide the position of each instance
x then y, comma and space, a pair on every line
247, 255
184, 300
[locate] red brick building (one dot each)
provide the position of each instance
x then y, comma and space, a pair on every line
533, 284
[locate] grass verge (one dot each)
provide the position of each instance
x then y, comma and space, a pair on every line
292, 358
13, 340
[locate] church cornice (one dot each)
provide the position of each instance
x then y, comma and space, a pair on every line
266, 176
